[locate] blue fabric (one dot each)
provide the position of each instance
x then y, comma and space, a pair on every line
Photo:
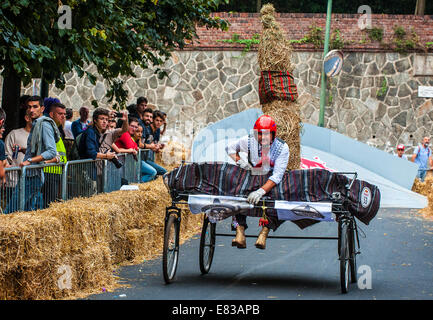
33, 196
159, 170
77, 128
13, 204
47, 148
421, 174
2, 151
422, 155
149, 170
148, 173
33, 193
89, 144
151, 136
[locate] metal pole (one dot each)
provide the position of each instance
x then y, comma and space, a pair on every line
22, 190
64, 181
323, 77
105, 176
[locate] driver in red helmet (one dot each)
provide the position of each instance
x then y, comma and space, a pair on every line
265, 153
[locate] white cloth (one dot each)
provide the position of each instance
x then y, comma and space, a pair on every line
279, 160
67, 130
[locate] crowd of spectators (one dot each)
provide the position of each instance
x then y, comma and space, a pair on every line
49, 134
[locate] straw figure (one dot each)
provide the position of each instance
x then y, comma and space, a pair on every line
277, 88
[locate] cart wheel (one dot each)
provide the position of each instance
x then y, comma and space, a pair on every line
207, 245
170, 252
352, 252
344, 257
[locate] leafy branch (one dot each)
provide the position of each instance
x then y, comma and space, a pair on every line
247, 43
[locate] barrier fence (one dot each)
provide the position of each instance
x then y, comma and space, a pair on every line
35, 186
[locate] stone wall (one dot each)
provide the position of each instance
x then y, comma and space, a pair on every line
207, 86
211, 79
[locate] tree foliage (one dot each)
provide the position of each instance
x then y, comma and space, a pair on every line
114, 35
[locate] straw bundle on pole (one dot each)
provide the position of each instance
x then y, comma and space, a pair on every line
274, 56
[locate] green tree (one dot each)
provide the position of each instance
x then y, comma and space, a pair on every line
114, 35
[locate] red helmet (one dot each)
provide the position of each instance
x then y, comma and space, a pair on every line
265, 123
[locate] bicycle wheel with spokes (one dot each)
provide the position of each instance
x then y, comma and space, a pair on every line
207, 245
344, 257
170, 253
352, 254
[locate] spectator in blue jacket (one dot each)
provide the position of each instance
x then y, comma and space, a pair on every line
82, 123
41, 146
92, 142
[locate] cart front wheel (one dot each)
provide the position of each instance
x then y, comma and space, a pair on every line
207, 245
344, 252
170, 254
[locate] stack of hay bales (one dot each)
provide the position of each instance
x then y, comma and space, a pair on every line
425, 188
72, 248
274, 54
173, 154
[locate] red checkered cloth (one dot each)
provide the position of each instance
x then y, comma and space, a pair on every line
277, 85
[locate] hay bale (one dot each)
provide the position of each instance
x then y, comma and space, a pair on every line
27, 238
28, 282
425, 188
140, 243
173, 154
84, 239
93, 268
275, 54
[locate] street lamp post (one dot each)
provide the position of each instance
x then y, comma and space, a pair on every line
323, 77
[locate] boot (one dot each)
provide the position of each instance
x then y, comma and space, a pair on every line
240, 240
261, 239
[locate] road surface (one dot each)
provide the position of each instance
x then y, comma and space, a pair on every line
396, 262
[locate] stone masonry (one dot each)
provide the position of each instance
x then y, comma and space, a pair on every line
374, 99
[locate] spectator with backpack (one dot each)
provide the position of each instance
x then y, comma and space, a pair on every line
95, 142
41, 147
422, 155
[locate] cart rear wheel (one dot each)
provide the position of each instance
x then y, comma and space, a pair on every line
207, 245
344, 252
352, 252
170, 254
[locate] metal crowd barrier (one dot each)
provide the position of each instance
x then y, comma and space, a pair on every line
82, 178
34, 187
9, 195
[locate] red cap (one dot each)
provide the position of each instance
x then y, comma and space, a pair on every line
400, 147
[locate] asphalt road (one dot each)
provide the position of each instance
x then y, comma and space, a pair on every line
396, 252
